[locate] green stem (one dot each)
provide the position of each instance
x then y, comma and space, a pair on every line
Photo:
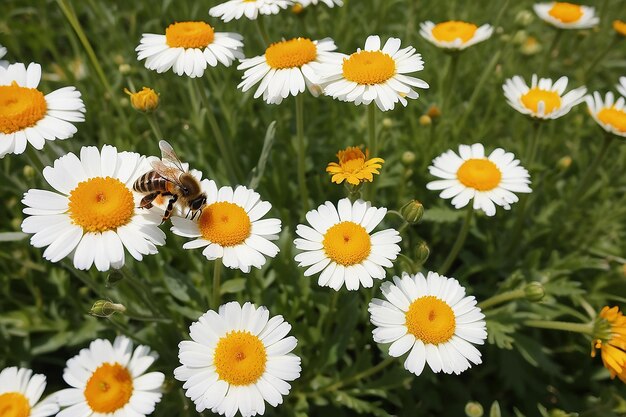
533, 144
502, 298
142, 290
599, 58
260, 24
404, 226
214, 300
154, 125
371, 129
449, 81
460, 240
584, 183
550, 52
585, 328
304, 192
361, 375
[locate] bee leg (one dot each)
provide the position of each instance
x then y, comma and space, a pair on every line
146, 202
170, 207
188, 213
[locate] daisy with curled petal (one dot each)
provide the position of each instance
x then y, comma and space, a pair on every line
236, 9
231, 227
238, 359
111, 379
354, 166
375, 74
454, 35
339, 245
29, 116
609, 113
20, 392
93, 214
188, 48
544, 99
611, 341
487, 180
565, 15
432, 319
621, 87
286, 68
329, 3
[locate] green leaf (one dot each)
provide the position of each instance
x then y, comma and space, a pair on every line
12, 236
233, 286
442, 215
176, 288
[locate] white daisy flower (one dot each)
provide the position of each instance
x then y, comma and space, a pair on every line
237, 360
236, 9
188, 48
230, 227
339, 244
433, 319
454, 35
608, 113
489, 181
93, 213
110, 380
286, 68
329, 3
375, 74
544, 99
29, 116
20, 392
621, 87
565, 15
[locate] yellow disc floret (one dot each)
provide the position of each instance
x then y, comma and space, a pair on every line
480, 174
369, 67
224, 223
450, 31
290, 54
100, 204
14, 404
613, 117
109, 388
189, 35
550, 99
240, 358
20, 107
566, 12
431, 320
347, 243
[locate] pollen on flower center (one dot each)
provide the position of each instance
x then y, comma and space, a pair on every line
189, 35
100, 204
566, 12
431, 320
480, 174
20, 107
450, 31
240, 358
225, 223
109, 388
550, 99
614, 117
14, 404
347, 243
290, 54
369, 67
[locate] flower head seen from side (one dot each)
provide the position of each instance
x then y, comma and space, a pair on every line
611, 341
188, 48
609, 113
487, 180
329, 3
111, 379
354, 166
92, 215
375, 74
20, 392
286, 68
621, 87
619, 27
454, 35
432, 319
238, 359
29, 116
543, 99
564, 15
146, 100
231, 227
339, 245
251, 9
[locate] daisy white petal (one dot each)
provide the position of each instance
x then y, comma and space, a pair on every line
454, 35
236, 9
21, 391
609, 113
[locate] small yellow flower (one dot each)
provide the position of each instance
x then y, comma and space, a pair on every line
620, 27
612, 343
146, 100
354, 166
297, 8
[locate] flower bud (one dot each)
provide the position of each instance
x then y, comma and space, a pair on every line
113, 278
422, 252
531, 46
473, 409
425, 120
124, 69
412, 212
408, 158
494, 411
104, 308
28, 171
433, 112
387, 122
524, 17
146, 100
297, 8
534, 291
564, 163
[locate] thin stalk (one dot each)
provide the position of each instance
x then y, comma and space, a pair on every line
533, 144
214, 300
553, 46
460, 240
304, 192
585, 328
449, 81
596, 60
154, 125
502, 298
35, 158
373, 143
584, 183
361, 375
260, 24
142, 290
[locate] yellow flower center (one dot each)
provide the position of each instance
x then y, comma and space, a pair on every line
430, 320
100, 204
450, 31
240, 358
14, 404
347, 243
290, 54
551, 100
566, 12
352, 159
109, 388
612, 116
620, 27
189, 35
225, 223
20, 107
480, 174
369, 67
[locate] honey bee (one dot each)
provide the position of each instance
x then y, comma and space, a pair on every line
168, 178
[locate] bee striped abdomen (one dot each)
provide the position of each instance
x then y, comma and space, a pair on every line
150, 182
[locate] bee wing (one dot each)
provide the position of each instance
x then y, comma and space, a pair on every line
168, 154
170, 173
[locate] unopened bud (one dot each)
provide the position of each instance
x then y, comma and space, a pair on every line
425, 120
520, 37
564, 163
104, 308
433, 112
473, 409
387, 122
494, 411
422, 252
297, 8
412, 212
124, 69
146, 100
531, 46
28, 171
534, 291
408, 158
524, 17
